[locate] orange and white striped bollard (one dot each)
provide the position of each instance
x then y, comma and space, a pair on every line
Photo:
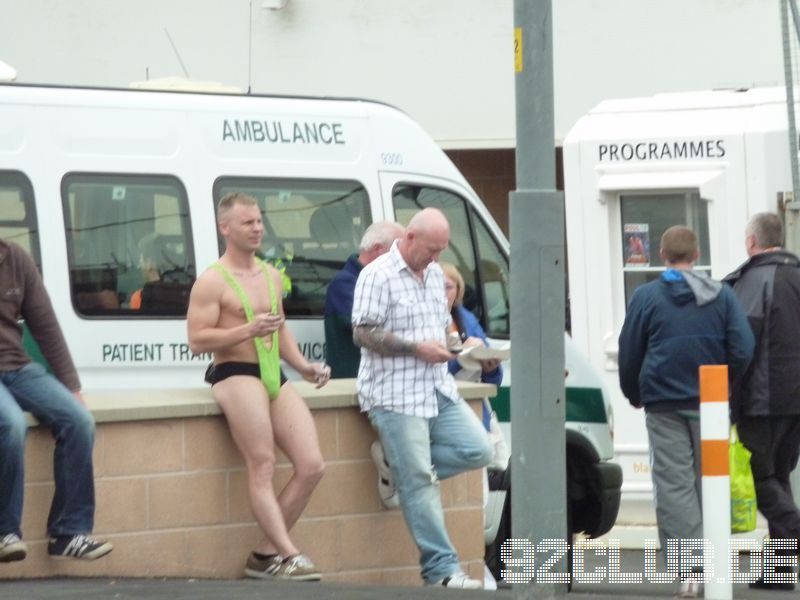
716, 485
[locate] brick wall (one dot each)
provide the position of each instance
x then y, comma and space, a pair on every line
171, 496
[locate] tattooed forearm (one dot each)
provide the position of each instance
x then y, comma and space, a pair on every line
381, 341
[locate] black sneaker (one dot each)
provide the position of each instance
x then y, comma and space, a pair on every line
760, 584
12, 548
78, 546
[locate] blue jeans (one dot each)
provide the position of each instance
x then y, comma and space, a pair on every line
32, 389
420, 452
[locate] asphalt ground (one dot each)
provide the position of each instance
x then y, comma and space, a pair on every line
245, 589
242, 589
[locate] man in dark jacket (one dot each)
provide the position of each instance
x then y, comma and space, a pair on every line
673, 326
341, 353
766, 406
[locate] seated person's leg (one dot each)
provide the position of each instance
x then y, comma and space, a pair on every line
54, 406
12, 463
459, 441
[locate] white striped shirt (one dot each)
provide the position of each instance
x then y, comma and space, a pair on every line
389, 296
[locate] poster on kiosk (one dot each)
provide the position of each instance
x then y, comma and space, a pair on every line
633, 168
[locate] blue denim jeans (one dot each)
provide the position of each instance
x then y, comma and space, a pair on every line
420, 452
32, 389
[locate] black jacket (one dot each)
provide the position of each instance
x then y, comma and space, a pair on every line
768, 286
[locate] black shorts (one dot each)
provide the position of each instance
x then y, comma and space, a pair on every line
220, 372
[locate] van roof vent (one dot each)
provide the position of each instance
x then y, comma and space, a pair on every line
181, 84
7, 72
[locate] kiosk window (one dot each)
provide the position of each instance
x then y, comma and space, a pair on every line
311, 227
129, 245
645, 217
472, 250
18, 213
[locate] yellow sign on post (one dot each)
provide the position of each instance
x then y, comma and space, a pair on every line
518, 49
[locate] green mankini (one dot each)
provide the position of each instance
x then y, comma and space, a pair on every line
268, 358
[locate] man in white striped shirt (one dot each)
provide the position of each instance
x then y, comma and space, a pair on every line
400, 319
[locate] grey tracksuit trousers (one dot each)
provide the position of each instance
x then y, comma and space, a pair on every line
675, 468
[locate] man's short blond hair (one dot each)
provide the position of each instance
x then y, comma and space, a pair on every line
231, 199
679, 244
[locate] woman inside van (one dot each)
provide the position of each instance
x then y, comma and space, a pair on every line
465, 331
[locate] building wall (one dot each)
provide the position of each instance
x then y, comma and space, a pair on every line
448, 63
492, 174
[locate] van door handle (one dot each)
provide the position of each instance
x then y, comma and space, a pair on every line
611, 349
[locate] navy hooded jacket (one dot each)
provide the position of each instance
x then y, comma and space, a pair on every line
673, 326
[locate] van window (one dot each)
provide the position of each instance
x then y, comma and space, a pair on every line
311, 227
472, 250
129, 245
18, 213
494, 271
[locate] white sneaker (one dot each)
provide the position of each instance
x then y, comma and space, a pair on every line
12, 548
489, 582
459, 581
690, 588
386, 489
297, 568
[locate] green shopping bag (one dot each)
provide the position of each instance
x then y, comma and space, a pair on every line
743, 490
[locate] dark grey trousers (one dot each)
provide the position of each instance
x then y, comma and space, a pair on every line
775, 444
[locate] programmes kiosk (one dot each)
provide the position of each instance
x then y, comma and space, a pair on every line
633, 168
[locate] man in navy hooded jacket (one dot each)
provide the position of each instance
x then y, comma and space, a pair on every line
674, 325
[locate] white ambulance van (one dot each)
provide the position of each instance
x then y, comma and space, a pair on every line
113, 192
633, 168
